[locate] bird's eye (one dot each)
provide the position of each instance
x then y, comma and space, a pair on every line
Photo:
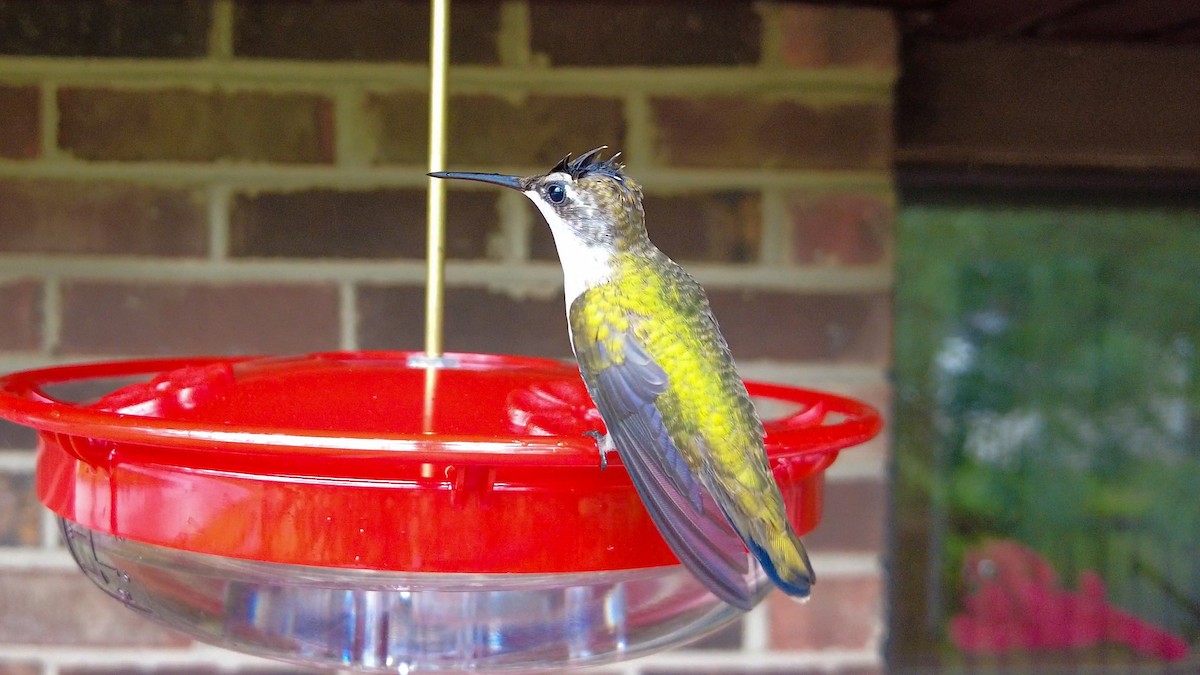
556, 193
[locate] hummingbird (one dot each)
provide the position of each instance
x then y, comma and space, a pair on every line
662, 377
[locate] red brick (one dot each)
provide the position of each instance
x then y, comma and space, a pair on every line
50, 216
367, 224
821, 37
361, 30
854, 518
163, 29
701, 227
21, 307
489, 130
52, 607
476, 320
19, 510
843, 613
195, 126
164, 318
751, 133
708, 227
20, 135
645, 34
845, 229
805, 327
400, 122
20, 668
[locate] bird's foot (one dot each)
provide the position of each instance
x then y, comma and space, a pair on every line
604, 444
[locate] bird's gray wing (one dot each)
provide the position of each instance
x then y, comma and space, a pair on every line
688, 518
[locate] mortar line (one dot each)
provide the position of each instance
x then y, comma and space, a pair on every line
41, 558
48, 531
516, 226
775, 247
17, 461
351, 147
825, 659
639, 130
771, 42
847, 565
220, 200
755, 629
532, 279
259, 176
832, 85
51, 312
821, 375
515, 48
13, 361
197, 654
348, 316
220, 31
48, 102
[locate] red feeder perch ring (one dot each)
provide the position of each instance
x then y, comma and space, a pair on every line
325, 509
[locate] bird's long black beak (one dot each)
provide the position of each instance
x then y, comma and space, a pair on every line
514, 182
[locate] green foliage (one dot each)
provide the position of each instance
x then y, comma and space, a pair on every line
1049, 391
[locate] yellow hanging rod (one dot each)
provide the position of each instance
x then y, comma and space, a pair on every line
439, 57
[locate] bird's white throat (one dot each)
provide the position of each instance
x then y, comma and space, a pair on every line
583, 266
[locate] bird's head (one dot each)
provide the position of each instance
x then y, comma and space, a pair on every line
587, 201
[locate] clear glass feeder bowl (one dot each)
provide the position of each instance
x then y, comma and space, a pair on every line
370, 510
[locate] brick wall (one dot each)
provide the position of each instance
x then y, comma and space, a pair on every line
217, 177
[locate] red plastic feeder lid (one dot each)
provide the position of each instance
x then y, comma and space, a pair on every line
370, 460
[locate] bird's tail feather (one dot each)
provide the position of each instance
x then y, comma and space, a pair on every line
797, 578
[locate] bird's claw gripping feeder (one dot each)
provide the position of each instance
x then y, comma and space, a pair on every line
387, 511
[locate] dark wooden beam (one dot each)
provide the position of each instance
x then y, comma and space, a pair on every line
993, 18
1049, 104
1144, 18
1187, 33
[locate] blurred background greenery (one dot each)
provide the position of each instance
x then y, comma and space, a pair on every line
1048, 391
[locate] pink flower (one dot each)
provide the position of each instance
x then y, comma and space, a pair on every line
1016, 604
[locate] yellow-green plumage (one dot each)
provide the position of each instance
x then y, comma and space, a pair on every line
705, 407
673, 326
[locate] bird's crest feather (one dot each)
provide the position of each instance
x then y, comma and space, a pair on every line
590, 163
